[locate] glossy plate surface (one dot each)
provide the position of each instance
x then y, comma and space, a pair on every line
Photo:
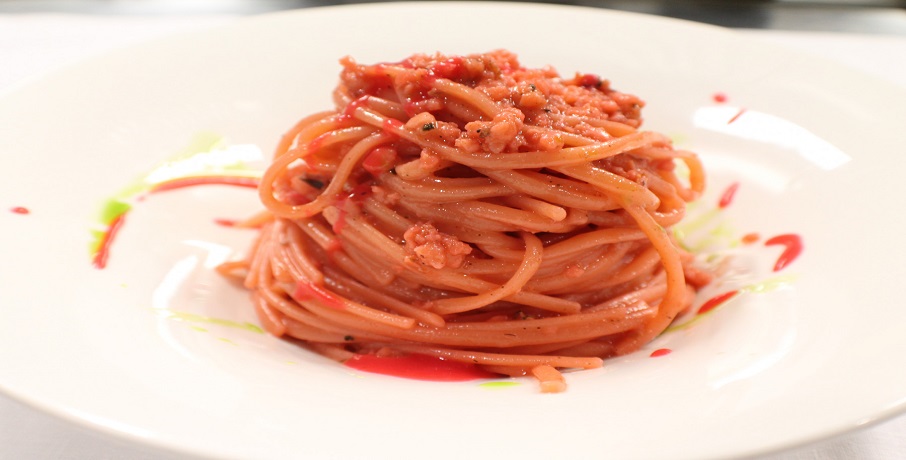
159, 349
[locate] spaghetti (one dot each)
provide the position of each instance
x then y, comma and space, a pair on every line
468, 208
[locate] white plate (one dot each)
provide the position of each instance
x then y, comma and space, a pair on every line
817, 152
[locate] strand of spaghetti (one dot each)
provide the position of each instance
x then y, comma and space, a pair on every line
527, 269
632, 193
444, 190
542, 349
651, 292
387, 107
557, 190
559, 252
613, 128
594, 272
615, 317
393, 223
642, 262
672, 302
696, 175
422, 167
286, 141
575, 266
331, 121
344, 285
234, 270
368, 264
550, 378
513, 219
306, 293
354, 265
260, 256
368, 236
331, 351
331, 192
472, 96
573, 139
319, 233
543, 208
440, 216
309, 333
500, 359
451, 280
333, 137
673, 206
299, 254
462, 110
271, 319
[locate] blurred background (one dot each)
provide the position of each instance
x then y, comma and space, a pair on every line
860, 16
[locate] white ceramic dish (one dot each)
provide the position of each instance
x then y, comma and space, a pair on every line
128, 350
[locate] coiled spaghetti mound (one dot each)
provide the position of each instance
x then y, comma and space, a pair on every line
469, 208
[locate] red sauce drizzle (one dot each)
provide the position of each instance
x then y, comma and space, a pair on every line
307, 290
20, 210
379, 161
392, 125
589, 80
719, 98
100, 258
736, 117
716, 301
419, 367
340, 224
750, 238
355, 198
182, 182
793, 247
226, 222
349, 111
727, 197
660, 352
451, 69
316, 144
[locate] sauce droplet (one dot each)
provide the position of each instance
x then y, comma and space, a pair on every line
392, 126
419, 367
727, 197
716, 301
307, 290
20, 210
660, 352
719, 98
793, 247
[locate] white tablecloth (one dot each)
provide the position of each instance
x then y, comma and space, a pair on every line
34, 44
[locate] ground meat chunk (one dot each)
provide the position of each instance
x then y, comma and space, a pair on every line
427, 245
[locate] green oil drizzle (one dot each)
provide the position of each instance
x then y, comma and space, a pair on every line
498, 385
195, 318
226, 340
206, 154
